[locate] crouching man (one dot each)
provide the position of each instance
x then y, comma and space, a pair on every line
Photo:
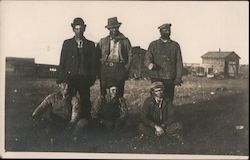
110, 111
157, 116
63, 109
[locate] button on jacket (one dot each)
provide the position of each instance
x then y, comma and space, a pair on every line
167, 58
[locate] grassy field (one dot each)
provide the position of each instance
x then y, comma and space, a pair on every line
214, 112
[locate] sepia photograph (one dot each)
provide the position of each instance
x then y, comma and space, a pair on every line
124, 79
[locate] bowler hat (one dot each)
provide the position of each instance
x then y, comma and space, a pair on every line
166, 25
113, 22
157, 84
78, 21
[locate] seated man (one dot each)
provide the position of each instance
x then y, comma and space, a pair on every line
109, 110
158, 115
63, 110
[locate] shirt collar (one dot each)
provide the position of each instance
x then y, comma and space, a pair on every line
158, 100
79, 39
165, 41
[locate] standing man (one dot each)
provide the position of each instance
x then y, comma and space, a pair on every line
164, 61
78, 62
115, 57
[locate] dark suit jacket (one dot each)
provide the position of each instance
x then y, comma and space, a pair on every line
78, 62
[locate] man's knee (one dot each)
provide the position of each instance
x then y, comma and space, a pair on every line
82, 123
142, 129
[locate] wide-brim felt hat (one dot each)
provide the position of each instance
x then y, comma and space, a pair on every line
78, 21
113, 22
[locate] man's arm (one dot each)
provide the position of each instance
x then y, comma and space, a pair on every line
93, 64
144, 114
149, 62
46, 103
179, 66
130, 54
123, 108
76, 109
62, 60
98, 58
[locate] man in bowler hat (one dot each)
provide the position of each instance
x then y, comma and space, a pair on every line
115, 57
78, 62
164, 61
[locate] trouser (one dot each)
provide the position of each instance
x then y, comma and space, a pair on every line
169, 87
171, 130
57, 126
81, 85
113, 73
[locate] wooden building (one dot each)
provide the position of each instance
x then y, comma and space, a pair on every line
27, 68
220, 63
138, 69
21, 67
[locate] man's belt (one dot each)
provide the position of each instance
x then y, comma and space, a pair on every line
111, 64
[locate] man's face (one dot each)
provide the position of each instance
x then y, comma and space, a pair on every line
158, 92
79, 30
113, 91
165, 33
113, 31
64, 88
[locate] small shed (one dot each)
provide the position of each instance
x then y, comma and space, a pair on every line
138, 69
225, 64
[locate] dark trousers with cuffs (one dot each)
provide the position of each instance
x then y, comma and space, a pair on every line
81, 85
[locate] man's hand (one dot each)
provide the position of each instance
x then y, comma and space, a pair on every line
34, 117
151, 66
158, 130
178, 82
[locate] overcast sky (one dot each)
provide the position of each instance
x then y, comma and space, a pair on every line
37, 29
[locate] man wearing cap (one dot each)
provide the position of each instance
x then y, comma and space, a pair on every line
109, 110
164, 61
115, 57
63, 111
78, 62
157, 115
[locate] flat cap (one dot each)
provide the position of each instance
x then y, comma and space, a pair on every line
157, 84
166, 25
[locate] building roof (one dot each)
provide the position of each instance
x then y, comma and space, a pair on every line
219, 54
20, 60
